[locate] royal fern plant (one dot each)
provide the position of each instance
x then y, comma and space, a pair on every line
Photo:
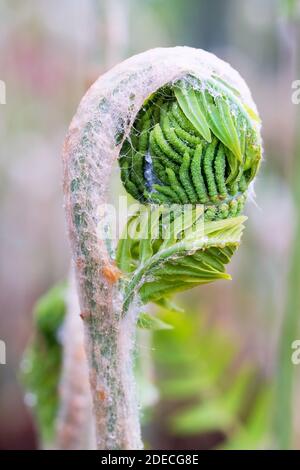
186, 133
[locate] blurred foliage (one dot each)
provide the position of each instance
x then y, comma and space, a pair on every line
210, 387
150, 322
289, 8
41, 366
199, 372
285, 379
47, 63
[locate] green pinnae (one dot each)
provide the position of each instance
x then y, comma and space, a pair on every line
233, 206
176, 186
138, 158
167, 191
157, 153
219, 167
156, 198
157, 109
197, 177
177, 143
182, 119
210, 213
233, 189
223, 211
159, 170
240, 205
186, 180
190, 139
243, 183
126, 180
164, 145
144, 136
184, 167
137, 170
208, 171
170, 134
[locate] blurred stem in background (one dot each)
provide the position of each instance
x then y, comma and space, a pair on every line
74, 420
285, 380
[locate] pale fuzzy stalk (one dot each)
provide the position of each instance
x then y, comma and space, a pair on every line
75, 423
109, 338
101, 124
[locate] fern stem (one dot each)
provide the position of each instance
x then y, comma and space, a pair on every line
109, 338
75, 423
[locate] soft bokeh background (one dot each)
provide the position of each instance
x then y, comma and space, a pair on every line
50, 52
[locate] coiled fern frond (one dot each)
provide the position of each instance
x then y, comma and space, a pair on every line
194, 142
185, 130
42, 361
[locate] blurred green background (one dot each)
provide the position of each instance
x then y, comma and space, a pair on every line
224, 372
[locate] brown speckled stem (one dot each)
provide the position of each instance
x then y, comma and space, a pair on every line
96, 134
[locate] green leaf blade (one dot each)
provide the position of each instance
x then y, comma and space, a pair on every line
189, 105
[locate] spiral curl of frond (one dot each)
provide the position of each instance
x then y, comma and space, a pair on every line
193, 142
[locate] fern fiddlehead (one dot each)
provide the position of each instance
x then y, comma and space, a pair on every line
202, 145
185, 130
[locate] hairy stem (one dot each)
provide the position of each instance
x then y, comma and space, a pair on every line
75, 424
109, 338
101, 125
109, 343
